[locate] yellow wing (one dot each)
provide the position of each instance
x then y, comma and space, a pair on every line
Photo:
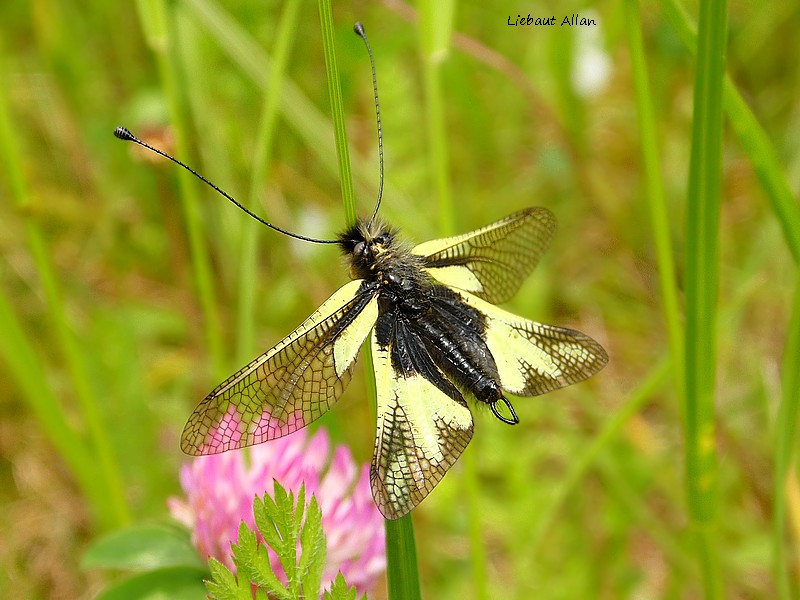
291, 385
422, 429
533, 358
493, 261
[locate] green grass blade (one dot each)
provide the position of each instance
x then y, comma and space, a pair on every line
110, 505
659, 216
262, 160
766, 164
754, 140
296, 108
649, 518
402, 573
579, 467
337, 110
477, 550
785, 443
25, 367
435, 26
702, 234
158, 22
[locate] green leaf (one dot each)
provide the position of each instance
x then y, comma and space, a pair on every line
312, 541
142, 547
340, 591
245, 550
280, 522
175, 583
297, 515
274, 519
252, 560
263, 511
224, 585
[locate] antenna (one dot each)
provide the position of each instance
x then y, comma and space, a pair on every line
359, 29
124, 134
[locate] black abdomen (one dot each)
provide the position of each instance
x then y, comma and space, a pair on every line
442, 336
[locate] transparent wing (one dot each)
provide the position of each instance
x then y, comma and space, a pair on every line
422, 430
491, 262
533, 358
289, 386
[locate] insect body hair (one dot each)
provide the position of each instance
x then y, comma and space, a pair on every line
376, 252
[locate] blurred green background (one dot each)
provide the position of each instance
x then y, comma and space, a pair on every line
128, 291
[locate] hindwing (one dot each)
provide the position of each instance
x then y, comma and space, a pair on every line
290, 385
493, 261
424, 423
533, 358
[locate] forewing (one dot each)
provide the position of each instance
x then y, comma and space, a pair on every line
421, 432
491, 262
533, 358
289, 386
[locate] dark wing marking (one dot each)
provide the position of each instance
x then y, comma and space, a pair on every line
289, 386
491, 262
533, 358
423, 427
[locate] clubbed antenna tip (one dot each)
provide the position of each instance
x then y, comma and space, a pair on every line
123, 134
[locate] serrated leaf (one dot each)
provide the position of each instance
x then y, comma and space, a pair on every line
298, 511
282, 514
180, 583
260, 572
223, 584
219, 572
264, 578
245, 550
340, 591
227, 586
265, 512
280, 521
312, 542
143, 547
252, 562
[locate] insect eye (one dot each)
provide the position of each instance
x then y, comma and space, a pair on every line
361, 249
381, 240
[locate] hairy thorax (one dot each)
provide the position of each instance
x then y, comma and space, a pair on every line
377, 256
